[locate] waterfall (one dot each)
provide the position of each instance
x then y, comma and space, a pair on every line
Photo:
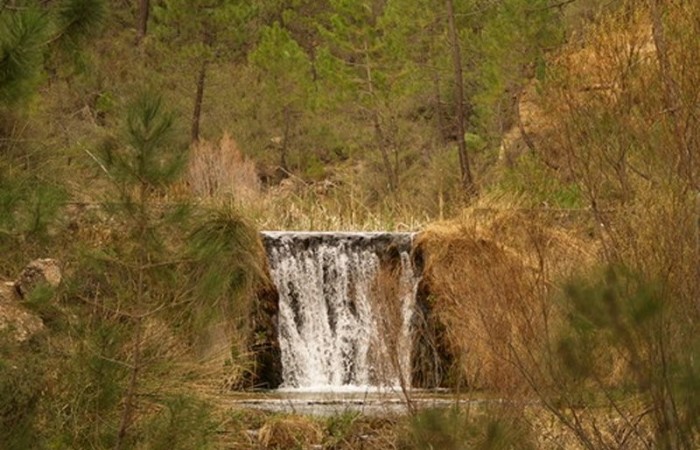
346, 301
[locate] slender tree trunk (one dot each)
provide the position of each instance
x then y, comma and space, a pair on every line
144, 10
284, 148
466, 174
129, 405
381, 143
376, 123
438, 107
130, 396
199, 97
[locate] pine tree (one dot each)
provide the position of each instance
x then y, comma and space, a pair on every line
352, 64
177, 267
22, 37
27, 31
30, 196
200, 33
284, 71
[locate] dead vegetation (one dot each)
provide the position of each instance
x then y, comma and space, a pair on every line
221, 171
285, 432
489, 274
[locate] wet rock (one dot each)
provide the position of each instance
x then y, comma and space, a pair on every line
380, 242
263, 342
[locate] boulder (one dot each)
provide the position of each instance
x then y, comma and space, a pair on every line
36, 273
15, 318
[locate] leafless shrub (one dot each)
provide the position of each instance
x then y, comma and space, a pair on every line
391, 289
221, 171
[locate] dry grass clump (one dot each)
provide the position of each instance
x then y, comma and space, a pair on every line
296, 204
218, 171
609, 428
489, 274
352, 431
287, 432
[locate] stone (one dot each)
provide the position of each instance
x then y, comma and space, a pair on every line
14, 319
38, 272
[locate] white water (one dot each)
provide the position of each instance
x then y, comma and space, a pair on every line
337, 330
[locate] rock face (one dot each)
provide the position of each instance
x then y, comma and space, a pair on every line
432, 362
267, 372
16, 319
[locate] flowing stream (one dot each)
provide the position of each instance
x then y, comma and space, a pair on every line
346, 301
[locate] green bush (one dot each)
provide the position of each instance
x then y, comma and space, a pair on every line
466, 429
183, 423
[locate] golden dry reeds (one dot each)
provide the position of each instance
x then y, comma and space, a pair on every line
490, 274
221, 171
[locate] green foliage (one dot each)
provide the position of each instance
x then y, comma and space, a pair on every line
83, 409
225, 267
353, 38
284, 69
26, 31
150, 158
80, 19
511, 44
41, 301
283, 65
204, 28
440, 428
183, 423
533, 180
621, 316
28, 205
340, 426
457, 429
172, 277
22, 36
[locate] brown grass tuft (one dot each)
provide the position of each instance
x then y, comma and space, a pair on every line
285, 432
489, 274
221, 171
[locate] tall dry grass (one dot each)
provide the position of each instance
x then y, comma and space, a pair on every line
490, 274
221, 171
220, 174
296, 204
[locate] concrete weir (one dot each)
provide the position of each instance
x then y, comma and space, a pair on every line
347, 312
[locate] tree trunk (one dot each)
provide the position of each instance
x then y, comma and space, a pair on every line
381, 143
284, 148
129, 399
438, 107
199, 97
466, 174
144, 9
131, 390
378, 132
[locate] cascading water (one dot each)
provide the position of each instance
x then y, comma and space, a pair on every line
346, 301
